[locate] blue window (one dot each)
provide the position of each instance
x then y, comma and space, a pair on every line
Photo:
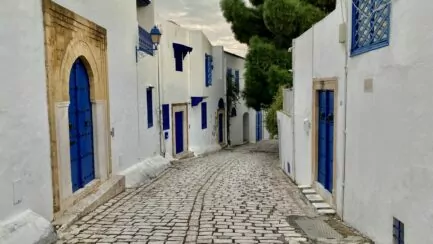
180, 52
237, 79
370, 25
208, 69
149, 108
397, 231
165, 117
229, 73
203, 115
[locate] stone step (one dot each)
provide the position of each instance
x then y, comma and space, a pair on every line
326, 211
304, 186
314, 198
104, 192
321, 205
308, 191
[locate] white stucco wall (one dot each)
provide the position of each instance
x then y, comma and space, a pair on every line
203, 140
285, 137
133, 141
312, 52
236, 123
25, 170
389, 146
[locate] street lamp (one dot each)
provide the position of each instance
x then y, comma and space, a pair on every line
155, 34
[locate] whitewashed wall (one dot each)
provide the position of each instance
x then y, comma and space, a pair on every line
285, 137
312, 52
126, 86
204, 140
389, 142
236, 123
25, 169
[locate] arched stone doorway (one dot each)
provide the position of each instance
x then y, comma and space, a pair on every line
246, 127
221, 122
80, 127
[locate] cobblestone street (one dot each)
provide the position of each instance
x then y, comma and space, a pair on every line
233, 196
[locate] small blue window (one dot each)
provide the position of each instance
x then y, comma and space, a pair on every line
398, 231
165, 117
229, 73
203, 115
149, 108
180, 52
208, 69
370, 25
237, 79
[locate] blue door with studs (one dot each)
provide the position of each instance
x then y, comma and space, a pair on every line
80, 127
178, 121
326, 139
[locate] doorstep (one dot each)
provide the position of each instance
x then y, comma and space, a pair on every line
104, 192
316, 200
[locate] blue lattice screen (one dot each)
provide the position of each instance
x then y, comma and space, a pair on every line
370, 25
145, 43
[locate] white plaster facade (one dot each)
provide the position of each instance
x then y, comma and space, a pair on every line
383, 167
25, 171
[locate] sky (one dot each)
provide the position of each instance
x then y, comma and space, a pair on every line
205, 15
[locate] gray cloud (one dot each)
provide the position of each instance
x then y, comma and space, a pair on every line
204, 15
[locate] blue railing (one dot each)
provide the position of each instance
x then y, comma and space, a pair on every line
145, 43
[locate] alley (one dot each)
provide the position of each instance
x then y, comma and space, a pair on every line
234, 196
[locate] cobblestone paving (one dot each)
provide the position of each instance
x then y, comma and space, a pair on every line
233, 196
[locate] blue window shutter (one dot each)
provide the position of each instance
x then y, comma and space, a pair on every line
203, 115
206, 61
237, 79
165, 117
179, 65
149, 108
209, 72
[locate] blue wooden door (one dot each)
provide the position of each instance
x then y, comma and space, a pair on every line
80, 127
326, 139
220, 128
178, 121
259, 124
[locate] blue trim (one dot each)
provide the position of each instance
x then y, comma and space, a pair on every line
196, 100
204, 115
208, 69
180, 52
221, 104
397, 231
149, 108
358, 26
237, 79
143, 3
233, 112
165, 117
145, 43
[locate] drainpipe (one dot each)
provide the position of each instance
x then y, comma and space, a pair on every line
161, 136
293, 114
345, 112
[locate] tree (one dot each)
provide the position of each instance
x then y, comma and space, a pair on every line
268, 28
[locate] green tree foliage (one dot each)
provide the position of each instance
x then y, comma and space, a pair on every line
268, 28
271, 113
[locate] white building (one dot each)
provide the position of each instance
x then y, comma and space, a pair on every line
103, 110
70, 148
374, 163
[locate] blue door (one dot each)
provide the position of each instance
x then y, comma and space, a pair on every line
80, 127
220, 128
178, 121
259, 124
326, 139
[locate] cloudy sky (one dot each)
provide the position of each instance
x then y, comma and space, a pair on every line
205, 15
